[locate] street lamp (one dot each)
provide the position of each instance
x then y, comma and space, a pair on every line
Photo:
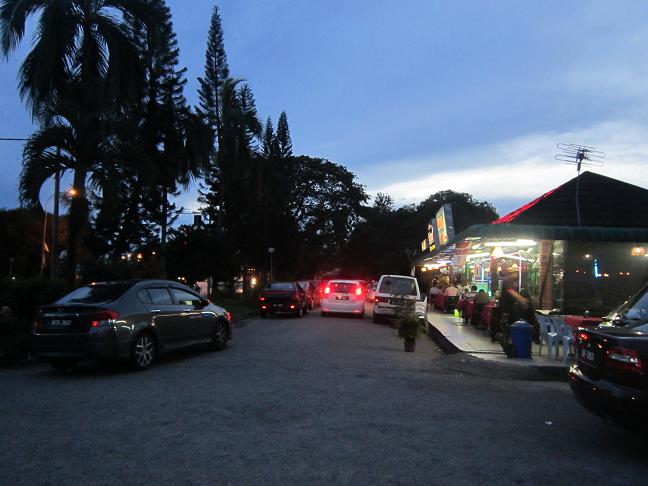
271, 251
54, 250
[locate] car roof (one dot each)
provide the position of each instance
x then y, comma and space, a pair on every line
399, 276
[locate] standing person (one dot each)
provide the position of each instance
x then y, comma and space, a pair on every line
513, 306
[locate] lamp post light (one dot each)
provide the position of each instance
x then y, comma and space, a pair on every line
271, 251
54, 250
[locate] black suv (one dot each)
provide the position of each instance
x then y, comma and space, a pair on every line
132, 320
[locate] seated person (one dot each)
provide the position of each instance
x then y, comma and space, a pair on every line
481, 299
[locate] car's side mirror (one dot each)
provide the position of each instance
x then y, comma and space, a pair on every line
203, 303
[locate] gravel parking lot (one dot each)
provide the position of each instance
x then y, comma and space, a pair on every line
311, 400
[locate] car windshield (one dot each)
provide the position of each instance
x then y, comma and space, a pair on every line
635, 310
398, 286
282, 286
96, 294
343, 287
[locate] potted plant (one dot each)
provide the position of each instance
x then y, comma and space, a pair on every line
408, 326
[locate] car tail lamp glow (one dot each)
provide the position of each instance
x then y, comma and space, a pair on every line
104, 318
582, 337
264, 306
327, 290
228, 316
358, 291
292, 306
624, 359
262, 298
382, 299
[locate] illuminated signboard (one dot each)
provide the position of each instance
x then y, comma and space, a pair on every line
440, 229
445, 224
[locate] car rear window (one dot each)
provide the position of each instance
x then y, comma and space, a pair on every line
282, 286
343, 287
397, 286
96, 294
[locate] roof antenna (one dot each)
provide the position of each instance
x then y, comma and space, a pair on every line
579, 155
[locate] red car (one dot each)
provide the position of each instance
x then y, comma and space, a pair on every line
283, 298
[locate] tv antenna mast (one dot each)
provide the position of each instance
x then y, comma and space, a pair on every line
579, 155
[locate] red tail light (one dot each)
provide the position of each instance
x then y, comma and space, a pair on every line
104, 318
582, 337
262, 298
624, 359
228, 316
327, 290
358, 291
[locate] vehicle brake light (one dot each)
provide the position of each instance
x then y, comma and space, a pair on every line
624, 359
292, 306
104, 318
359, 291
327, 290
228, 316
264, 306
262, 298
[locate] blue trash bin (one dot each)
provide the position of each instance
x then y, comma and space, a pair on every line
521, 336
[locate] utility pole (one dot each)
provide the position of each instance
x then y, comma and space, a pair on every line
55, 226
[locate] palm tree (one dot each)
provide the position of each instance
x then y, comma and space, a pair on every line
80, 43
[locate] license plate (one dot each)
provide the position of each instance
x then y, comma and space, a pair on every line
341, 297
587, 355
277, 306
61, 322
397, 302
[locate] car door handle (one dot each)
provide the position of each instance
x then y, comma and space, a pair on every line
154, 311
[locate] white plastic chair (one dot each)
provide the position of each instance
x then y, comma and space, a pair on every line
544, 325
566, 338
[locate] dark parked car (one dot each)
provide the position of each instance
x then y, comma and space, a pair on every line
610, 377
283, 297
132, 320
312, 293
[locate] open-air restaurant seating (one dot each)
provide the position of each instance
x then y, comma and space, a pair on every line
556, 331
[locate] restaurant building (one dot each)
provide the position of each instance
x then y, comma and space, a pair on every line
582, 246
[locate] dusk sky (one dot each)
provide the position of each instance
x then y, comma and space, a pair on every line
420, 96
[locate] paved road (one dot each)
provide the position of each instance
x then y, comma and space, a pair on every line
312, 400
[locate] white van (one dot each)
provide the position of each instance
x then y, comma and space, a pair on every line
390, 291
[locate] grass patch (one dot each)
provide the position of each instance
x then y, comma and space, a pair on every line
234, 305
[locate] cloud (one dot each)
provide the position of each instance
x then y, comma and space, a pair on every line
516, 170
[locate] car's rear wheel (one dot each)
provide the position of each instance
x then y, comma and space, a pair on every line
63, 364
299, 312
143, 352
219, 337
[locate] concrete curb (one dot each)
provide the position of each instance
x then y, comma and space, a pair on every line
553, 372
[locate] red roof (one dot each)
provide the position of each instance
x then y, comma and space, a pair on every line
514, 214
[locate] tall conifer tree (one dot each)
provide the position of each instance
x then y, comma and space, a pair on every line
284, 142
216, 72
